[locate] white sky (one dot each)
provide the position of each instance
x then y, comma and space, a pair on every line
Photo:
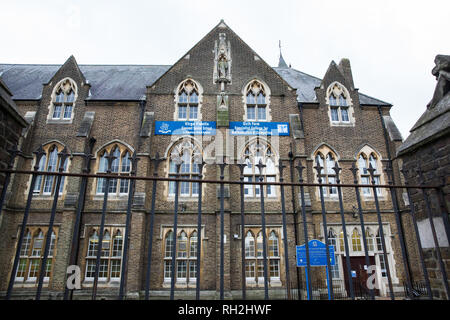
391, 44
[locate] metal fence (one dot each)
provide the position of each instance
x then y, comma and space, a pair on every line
313, 290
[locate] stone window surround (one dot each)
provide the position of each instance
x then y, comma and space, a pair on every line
367, 151
123, 147
339, 88
245, 90
44, 196
50, 119
88, 230
34, 229
199, 89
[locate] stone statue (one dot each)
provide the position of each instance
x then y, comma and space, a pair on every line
222, 70
442, 73
223, 67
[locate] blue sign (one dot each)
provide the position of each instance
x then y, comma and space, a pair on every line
250, 128
185, 127
317, 254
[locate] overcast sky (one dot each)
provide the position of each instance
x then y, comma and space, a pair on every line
391, 44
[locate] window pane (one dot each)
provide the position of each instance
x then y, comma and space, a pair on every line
261, 99
274, 268
193, 113
57, 112
183, 98
38, 182
332, 101
67, 112
251, 98
181, 269
334, 114
182, 112
342, 100
70, 97
182, 245
59, 97
169, 245
115, 268
250, 269
344, 114
261, 113
192, 270
249, 245
251, 113
193, 98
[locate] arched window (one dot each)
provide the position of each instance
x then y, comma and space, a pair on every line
187, 152
32, 253
256, 101
369, 239
254, 261
253, 153
186, 256
368, 157
120, 165
50, 161
64, 96
327, 159
110, 257
188, 101
249, 245
356, 240
339, 105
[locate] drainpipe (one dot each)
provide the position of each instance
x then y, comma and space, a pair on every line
386, 141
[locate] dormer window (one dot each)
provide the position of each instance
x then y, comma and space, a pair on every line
339, 103
63, 101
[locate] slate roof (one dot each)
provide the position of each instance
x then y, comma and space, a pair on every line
432, 124
128, 82
305, 84
108, 82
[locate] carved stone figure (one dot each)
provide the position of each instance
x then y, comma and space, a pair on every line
442, 73
222, 59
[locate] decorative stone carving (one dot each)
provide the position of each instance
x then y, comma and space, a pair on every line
222, 110
222, 60
442, 73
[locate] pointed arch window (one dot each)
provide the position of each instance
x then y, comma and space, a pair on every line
121, 165
327, 160
31, 255
254, 258
253, 153
190, 155
110, 257
369, 239
256, 101
188, 101
356, 241
339, 105
64, 96
50, 161
366, 158
186, 255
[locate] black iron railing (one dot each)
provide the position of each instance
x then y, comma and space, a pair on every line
336, 288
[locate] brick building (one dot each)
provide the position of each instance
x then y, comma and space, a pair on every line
137, 109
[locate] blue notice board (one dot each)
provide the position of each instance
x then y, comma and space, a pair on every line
185, 127
317, 254
250, 128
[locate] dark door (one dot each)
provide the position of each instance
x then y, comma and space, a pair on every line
358, 269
